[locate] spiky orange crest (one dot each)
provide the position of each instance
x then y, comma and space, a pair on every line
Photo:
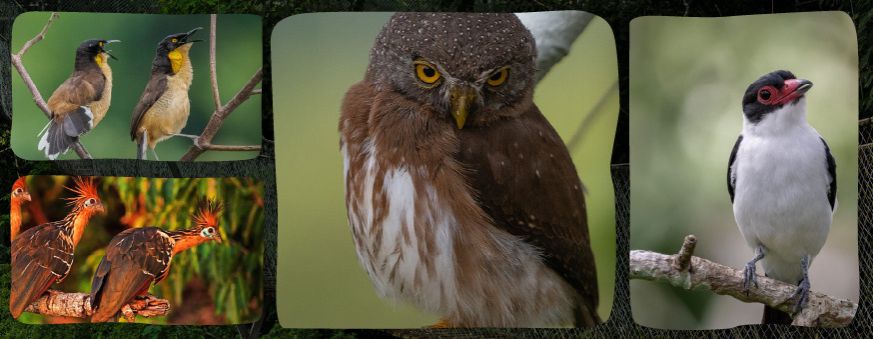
20, 183
207, 213
84, 189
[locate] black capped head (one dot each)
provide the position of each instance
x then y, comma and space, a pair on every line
771, 92
174, 41
92, 51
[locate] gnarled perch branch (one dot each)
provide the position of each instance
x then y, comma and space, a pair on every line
28, 81
686, 271
78, 305
203, 142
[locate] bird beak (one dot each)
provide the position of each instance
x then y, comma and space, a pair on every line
793, 89
26, 196
100, 209
107, 52
462, 97
217, 238
188, 35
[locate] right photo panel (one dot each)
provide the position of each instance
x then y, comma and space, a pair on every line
744, 153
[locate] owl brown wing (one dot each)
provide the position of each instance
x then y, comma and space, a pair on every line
528, 185
41, 256
80, 89
156, 87
135, 258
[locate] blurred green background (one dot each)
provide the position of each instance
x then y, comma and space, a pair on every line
687, 79
50, 62
316, 57
208, 284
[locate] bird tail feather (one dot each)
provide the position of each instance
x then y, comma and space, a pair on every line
58, 136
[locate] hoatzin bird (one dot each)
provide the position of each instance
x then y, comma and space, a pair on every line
20, 195
43, 255
163, 108
139, 257
81, 101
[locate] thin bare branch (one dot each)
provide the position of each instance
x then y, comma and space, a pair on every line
821, 310
78, 305
28, 81
215, 122
204, 142
213, 76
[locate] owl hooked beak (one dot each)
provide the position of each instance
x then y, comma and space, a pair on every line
462, 96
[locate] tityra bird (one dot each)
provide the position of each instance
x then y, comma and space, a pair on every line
783, 185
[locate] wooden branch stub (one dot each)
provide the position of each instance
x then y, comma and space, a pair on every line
820, 311
682, 260
78, 305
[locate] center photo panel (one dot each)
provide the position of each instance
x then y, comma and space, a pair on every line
444, 169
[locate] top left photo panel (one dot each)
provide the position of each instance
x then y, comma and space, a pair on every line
136, 86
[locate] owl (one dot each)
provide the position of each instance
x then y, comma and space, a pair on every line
461, 197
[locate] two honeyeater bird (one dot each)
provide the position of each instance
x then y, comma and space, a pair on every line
135, 259
83, 99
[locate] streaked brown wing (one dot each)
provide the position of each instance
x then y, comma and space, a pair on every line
526, 182
41, 256
154, 89
80, 89
135, 258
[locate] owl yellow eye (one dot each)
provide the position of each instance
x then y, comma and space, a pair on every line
499, 77
426, 73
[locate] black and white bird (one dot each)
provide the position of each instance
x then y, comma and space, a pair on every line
783, 185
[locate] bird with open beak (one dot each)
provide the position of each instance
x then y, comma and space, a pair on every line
81, 101
163, 108
782, 182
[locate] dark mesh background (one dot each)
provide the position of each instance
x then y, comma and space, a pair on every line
617, 13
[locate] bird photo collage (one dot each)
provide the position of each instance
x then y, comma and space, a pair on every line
435, 170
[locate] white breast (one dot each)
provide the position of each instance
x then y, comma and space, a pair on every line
781, 196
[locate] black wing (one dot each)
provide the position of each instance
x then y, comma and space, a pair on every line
538, 197
832, 171
731, 175
153, 91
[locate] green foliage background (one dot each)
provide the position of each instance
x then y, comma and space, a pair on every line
322, 54
687, 80
50, 62
229, 276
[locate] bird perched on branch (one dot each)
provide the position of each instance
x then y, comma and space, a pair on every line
20, 195
163, 108
43, 255
81, 101
462, 198
783, 184
139, 257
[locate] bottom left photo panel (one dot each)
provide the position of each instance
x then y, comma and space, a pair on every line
181, 251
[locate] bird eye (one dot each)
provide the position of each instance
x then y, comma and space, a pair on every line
208, 232
174, 40
90, 202
764, 94
100, 43
18, 190
499, 77
426, 72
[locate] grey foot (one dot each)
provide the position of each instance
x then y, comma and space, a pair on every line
801, 294
750, 277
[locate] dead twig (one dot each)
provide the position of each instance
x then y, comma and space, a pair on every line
203, 142
78, 305
686, 271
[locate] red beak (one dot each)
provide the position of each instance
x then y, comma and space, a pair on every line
793, 89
